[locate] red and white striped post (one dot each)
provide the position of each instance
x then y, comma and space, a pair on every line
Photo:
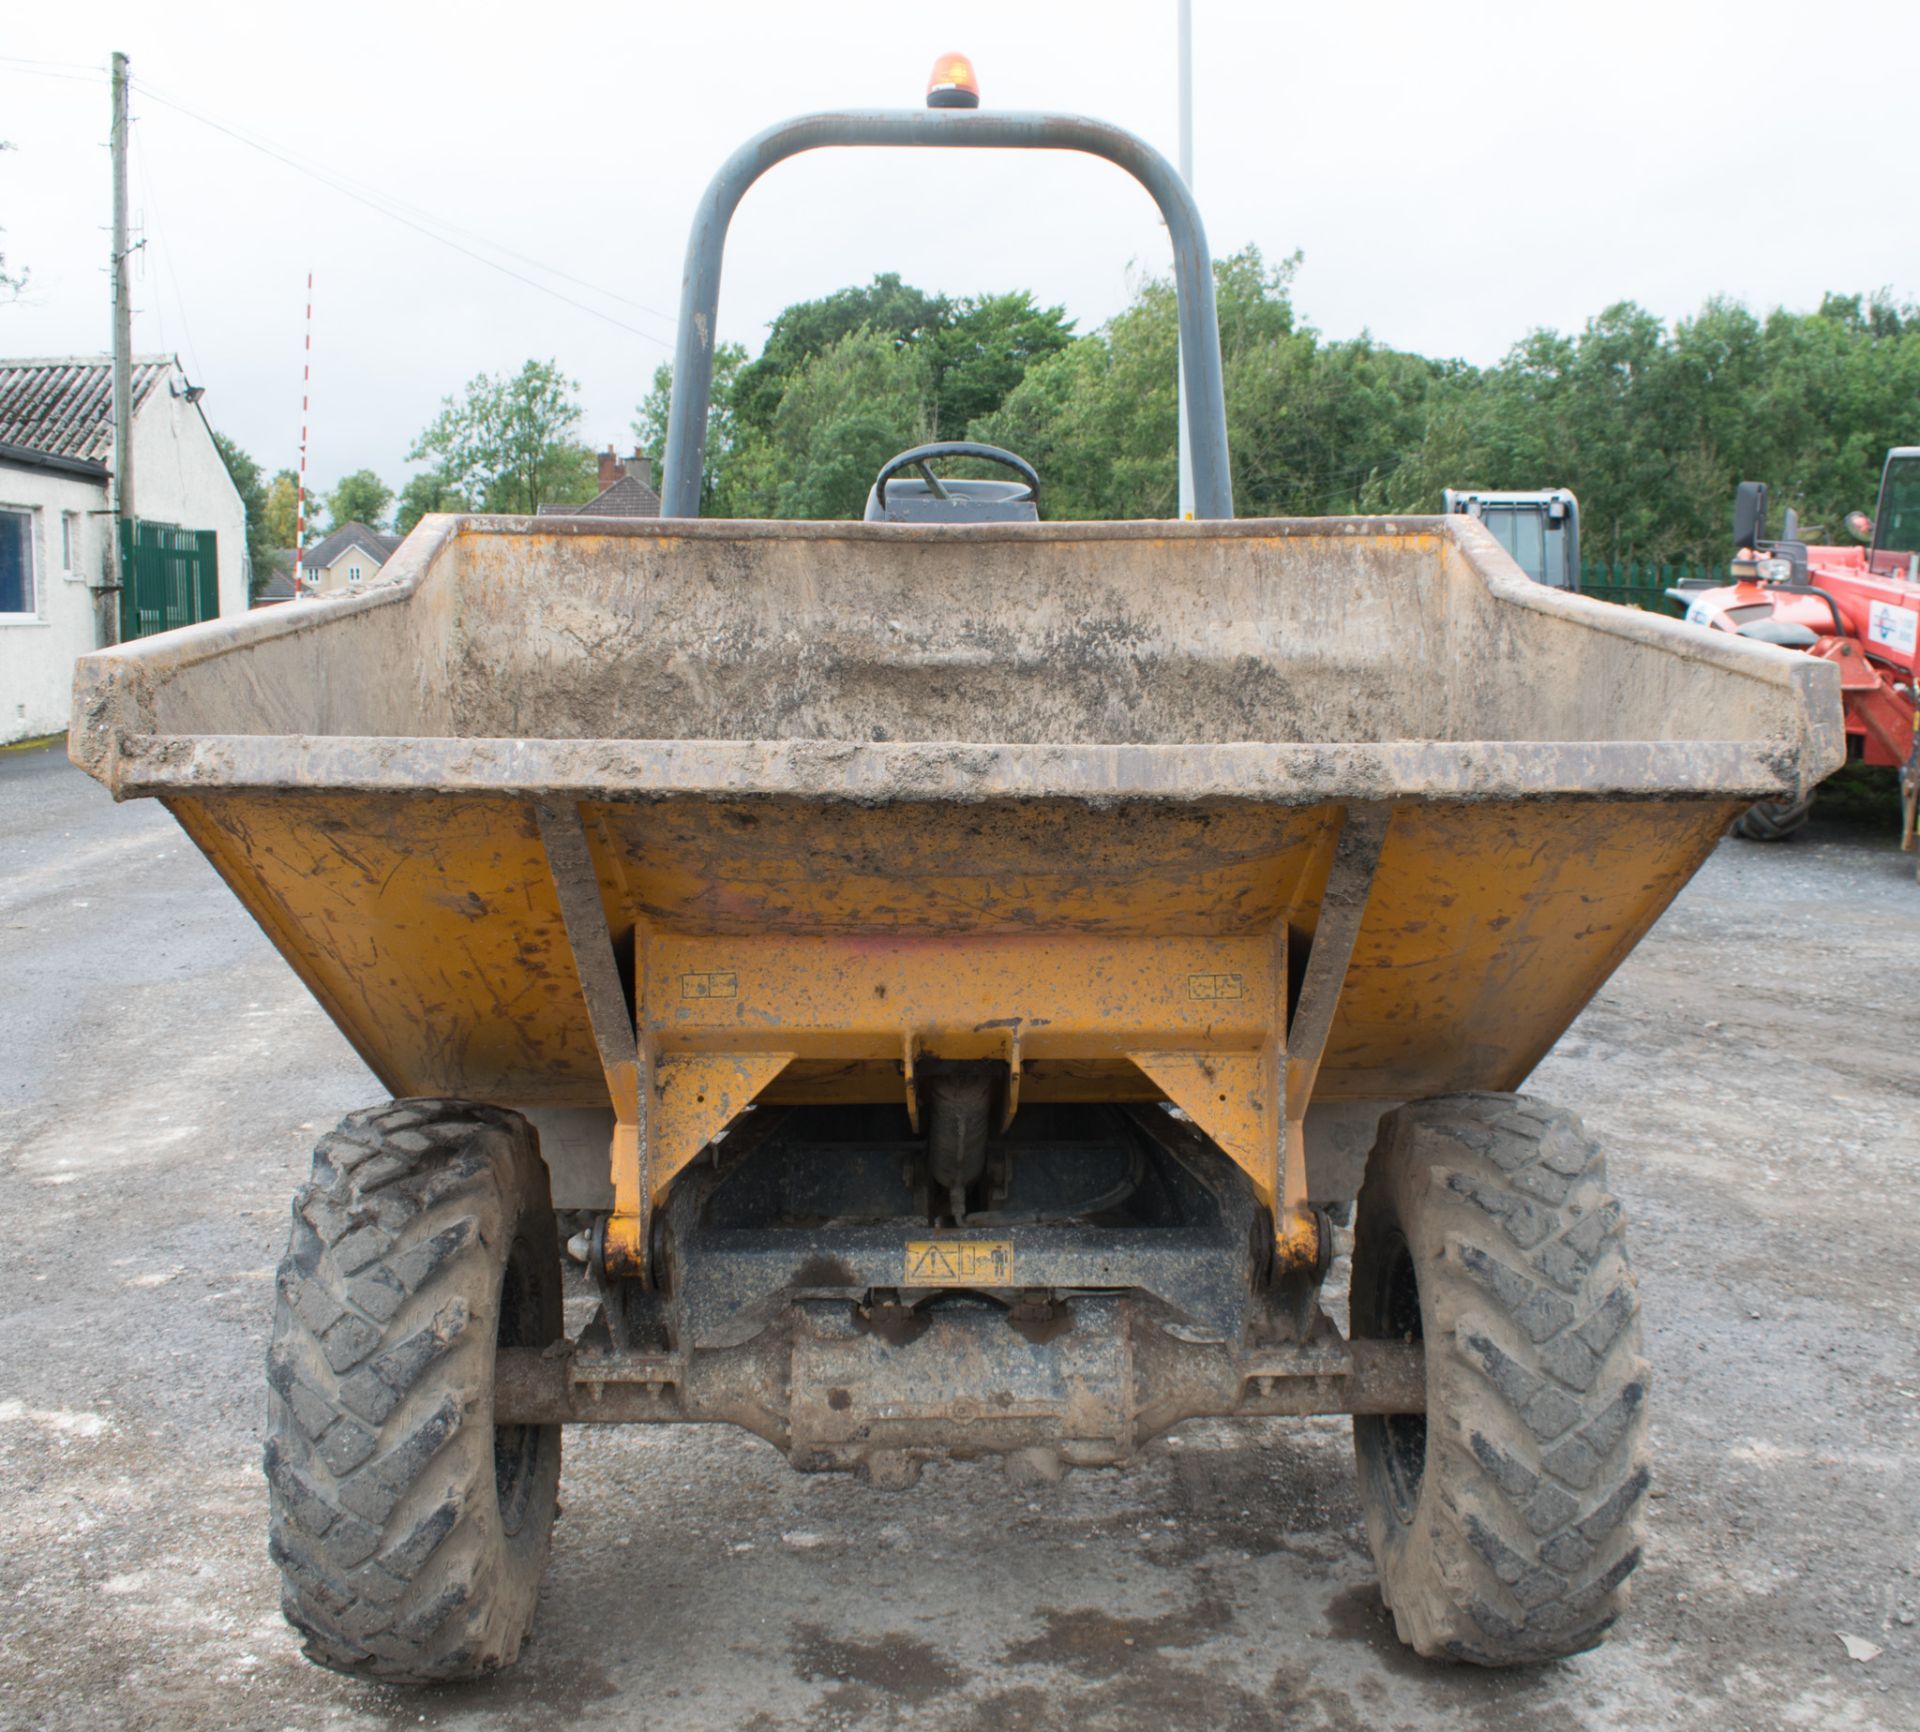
300, 496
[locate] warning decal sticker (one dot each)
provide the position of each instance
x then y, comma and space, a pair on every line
958, 1263
1216, 986
715, 983
1898, 628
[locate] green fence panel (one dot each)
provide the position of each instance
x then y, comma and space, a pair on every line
168, 577
1632, 584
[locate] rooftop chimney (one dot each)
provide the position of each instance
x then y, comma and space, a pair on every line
613, 468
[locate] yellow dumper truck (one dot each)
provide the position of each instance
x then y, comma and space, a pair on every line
944, 969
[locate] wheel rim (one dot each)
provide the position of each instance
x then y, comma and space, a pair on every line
1403, 1436
517, 1448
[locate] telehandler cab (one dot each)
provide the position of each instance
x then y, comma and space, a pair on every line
1857, 607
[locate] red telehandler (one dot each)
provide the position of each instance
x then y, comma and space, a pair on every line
1859, 607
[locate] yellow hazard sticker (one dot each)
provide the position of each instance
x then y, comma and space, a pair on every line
959, 1263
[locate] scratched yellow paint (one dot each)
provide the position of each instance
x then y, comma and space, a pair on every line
804, 952
1489, 928
754, 867
1056, 995
696, 1096
428, 929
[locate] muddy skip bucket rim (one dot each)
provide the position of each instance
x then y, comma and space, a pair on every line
115, 740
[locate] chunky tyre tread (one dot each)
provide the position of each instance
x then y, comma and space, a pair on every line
1773, 820
379, 1457
1526, 1524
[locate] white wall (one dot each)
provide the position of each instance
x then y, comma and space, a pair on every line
36, 657
178, 478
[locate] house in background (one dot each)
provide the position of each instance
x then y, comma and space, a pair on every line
57, 554
354, 553
337, 564
626, 490
278, 586
349, 557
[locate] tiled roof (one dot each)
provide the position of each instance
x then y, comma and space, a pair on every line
627, 497
324, 552
63, 405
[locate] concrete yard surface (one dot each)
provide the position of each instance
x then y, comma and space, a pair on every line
1754, 1069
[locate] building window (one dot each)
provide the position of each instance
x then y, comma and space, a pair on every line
353, 574
17, 597
70, 543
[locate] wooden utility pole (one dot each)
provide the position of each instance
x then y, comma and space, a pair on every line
122, 367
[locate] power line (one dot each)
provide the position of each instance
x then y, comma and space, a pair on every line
386, 206
420, 221
435, 220
45, 69
432, 218
78, 65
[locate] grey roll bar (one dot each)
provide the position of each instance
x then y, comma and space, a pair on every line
945, 129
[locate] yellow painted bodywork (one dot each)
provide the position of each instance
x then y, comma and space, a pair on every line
795, 951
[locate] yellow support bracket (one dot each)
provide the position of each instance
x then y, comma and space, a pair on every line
1231, 1097
720, 1018
696, 1096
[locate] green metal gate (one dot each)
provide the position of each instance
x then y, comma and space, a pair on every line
169, 577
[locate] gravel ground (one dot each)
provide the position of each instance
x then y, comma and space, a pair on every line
1752, 1067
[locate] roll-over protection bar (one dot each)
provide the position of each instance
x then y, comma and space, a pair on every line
946, 129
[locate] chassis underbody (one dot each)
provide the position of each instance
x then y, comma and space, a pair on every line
1114, 1278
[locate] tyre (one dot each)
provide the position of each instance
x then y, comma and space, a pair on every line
410, 1530
1505, 1521
1773, 820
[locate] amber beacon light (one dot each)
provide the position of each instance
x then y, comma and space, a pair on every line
953, 84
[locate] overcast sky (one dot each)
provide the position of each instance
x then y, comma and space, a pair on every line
1455, 175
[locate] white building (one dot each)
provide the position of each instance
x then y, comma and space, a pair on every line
57, 531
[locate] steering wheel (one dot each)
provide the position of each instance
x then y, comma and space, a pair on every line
923, 455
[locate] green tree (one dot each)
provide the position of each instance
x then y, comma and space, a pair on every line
245, 475
650, 423
1571, 411
982, 350
361, 497
1839, 387
808, 329
1313, 427
1651, 424
1652, 427
849, 409
1098, 420
510, 443
430, 491
966, 356
282, 509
